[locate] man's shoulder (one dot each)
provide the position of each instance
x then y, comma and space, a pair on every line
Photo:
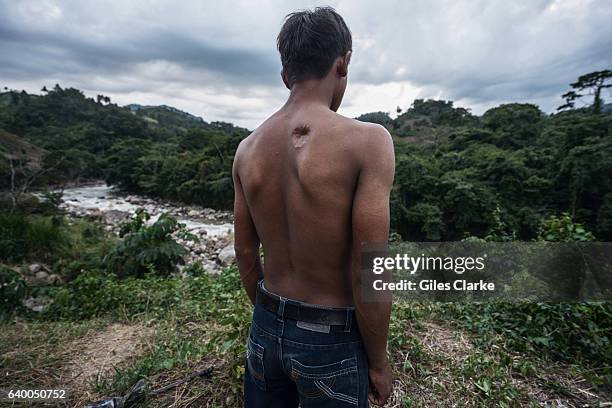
370, 142
242, 151
362, 128
364, 135
246, 144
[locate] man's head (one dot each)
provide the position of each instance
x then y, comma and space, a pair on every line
313, 44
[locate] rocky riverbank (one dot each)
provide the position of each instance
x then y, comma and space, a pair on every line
214, 229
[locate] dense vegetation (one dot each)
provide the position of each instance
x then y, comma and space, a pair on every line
455, 170
513, 173
151, 150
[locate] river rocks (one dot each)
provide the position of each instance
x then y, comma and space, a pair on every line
95, 214
227, 256
34, 268
35, 304
115, 217
41, 276
53, 279
211, 267
213, 228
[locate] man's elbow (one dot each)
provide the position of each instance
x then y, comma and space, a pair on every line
245, 252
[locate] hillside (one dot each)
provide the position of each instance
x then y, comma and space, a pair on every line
14, 147
18, 159
169, 117
457, 174
96, 305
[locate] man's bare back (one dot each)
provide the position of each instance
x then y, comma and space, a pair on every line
299, 172
312, 187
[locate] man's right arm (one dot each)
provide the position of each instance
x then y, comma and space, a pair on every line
370, 224
246, 240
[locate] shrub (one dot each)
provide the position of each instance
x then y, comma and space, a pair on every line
12, 289
194, 269
564, 229
95, 294
566, 331
147, 249
24, 236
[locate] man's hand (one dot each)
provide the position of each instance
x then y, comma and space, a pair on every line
381, 384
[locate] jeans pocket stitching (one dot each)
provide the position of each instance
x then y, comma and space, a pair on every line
255, 352
335, 395
345, 364
321, 376
255, 348
324, 382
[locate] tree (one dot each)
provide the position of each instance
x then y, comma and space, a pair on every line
102, 98
515, 124
382, 118
593, 83
23, 174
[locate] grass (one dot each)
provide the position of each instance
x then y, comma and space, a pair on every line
164, 329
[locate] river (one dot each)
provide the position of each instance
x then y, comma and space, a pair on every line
100, 198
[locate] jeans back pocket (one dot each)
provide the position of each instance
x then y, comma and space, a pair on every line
255, 363
337, 382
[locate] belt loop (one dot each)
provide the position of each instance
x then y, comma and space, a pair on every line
258, 292
349, 319
280, 313
281, 307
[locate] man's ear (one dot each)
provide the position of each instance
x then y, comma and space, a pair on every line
285, 80
343, 64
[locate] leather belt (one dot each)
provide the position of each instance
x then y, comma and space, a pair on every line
332, 316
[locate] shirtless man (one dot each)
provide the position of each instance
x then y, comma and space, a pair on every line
312, 186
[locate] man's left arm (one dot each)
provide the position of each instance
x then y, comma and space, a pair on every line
246, 240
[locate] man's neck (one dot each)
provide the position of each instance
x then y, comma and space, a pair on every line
311, 92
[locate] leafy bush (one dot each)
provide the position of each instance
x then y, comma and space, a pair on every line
194, 269
12, 289
148, 249
566, 331
563, 229
53, 199
135, 223
23, 237
95, 294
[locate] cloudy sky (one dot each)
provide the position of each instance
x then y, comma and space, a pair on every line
217, 59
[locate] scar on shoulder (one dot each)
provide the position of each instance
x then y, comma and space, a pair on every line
300, 136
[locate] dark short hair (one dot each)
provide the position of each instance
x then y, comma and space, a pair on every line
310, 41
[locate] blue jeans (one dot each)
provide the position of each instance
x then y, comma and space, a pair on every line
290, 363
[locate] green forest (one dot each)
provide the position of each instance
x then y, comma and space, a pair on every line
457, 174
514, 173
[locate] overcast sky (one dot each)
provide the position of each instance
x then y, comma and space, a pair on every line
218, 59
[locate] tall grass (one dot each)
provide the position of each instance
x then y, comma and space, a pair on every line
30, 237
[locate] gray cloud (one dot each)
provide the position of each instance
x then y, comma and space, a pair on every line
44, 52
219, 60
